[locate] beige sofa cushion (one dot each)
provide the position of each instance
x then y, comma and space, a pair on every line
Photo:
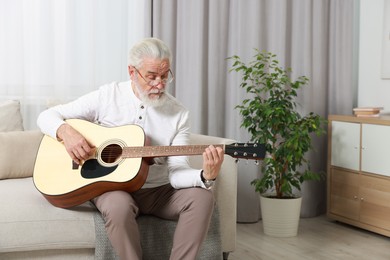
10, 116
18, 153
29, 222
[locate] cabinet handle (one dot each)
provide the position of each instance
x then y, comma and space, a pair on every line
361, 199
355, 197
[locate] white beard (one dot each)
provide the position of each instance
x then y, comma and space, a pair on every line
149, 101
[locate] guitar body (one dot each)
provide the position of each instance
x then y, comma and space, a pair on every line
65, 184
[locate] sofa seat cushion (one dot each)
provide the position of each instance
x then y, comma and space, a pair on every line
29, 222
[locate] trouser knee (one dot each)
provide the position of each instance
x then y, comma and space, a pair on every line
116, 207
202, 199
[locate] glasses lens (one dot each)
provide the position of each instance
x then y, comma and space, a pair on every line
169, 79
164, 81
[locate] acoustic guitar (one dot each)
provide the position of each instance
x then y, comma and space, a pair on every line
119, 162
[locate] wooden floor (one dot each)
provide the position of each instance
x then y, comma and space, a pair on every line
318, 238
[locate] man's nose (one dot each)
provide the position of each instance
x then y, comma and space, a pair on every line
160, 85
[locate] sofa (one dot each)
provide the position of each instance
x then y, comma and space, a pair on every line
32, 228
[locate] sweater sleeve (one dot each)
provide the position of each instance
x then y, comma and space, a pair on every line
82, 108
181, 175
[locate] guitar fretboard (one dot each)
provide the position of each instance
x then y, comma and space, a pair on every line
161, 151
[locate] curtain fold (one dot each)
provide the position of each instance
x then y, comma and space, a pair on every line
55, 51
314, 38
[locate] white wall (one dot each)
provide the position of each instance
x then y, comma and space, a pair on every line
372, 89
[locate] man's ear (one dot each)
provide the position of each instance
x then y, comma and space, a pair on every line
130, 69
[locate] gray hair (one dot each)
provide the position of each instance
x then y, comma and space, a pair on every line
148, 48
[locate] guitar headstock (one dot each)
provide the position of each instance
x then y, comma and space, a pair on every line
250, 151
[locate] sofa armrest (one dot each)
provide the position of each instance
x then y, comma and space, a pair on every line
225, 190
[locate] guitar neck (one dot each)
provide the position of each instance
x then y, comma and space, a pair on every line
162, 151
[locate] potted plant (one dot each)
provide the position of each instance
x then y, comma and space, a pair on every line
270, 116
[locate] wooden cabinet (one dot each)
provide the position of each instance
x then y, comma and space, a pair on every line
359, 172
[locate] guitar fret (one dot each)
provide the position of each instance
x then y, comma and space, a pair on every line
161, 151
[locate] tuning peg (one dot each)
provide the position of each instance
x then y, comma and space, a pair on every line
256, 162
237, 160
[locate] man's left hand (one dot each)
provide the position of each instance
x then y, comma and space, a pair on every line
212, 161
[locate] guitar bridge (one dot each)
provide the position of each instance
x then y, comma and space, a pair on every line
75, 165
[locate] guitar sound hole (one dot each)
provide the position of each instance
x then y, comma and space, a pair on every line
111, 153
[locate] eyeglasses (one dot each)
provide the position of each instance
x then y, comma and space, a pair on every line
164, 79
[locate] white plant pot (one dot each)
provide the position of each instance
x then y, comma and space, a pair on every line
280, 216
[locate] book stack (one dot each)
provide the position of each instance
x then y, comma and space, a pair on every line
367, 111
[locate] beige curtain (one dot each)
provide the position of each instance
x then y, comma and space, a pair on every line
314, 38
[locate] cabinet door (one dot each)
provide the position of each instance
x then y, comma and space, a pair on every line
344, 191
374, 201
345, 145
376, 149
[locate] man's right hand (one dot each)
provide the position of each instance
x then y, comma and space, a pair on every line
75, 144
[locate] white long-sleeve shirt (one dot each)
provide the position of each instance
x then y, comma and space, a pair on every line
115, 104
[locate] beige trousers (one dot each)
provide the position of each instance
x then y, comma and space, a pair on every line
191, 207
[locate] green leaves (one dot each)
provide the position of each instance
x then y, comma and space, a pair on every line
270, 117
